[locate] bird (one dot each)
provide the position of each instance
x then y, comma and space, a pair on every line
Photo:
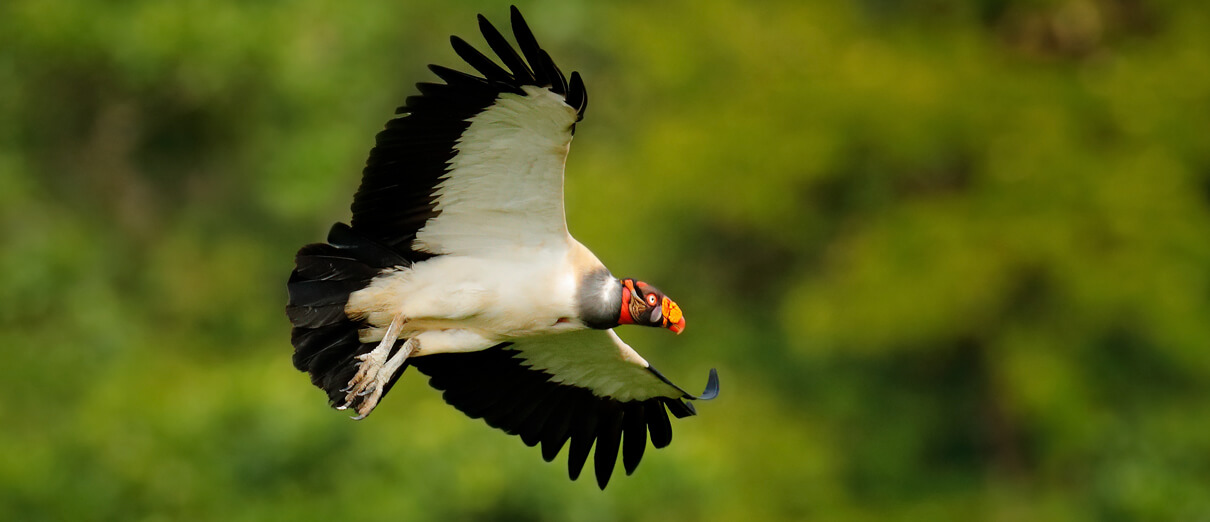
458, 261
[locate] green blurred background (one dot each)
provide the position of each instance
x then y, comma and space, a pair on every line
951, 258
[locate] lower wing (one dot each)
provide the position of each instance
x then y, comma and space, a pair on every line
585, 386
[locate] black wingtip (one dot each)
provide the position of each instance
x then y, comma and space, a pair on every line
680, 409
711, 390
505, 52
558, 82
577, 95
525, 38
515, 18
479, 61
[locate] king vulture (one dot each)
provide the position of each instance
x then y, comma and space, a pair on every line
458, 262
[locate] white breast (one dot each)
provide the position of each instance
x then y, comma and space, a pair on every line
530, 292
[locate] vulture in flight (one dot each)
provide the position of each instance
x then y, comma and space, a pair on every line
458, 262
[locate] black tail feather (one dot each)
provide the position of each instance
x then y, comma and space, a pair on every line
325, 274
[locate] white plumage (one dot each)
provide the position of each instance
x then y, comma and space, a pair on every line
504, 190
459, 263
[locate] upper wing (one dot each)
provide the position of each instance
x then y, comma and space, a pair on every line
475, 163
585, 386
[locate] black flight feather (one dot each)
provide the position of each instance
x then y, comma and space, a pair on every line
657, 423
577, 95
679, 408
459, 79
557, 430
481, 63
634, 426
497, 386
507, 54
609, 437
529, 47
558, 82
396, 196
583, 432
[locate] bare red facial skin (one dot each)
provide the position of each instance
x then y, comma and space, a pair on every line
627, 291
663, 312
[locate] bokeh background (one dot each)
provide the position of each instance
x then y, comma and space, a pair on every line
951, 258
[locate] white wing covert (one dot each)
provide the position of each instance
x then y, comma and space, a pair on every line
476, 163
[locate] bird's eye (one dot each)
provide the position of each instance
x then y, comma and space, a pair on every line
651, 299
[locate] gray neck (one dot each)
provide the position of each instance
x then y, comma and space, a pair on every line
599, 299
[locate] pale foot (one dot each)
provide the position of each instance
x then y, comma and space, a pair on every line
373, 393
371, 366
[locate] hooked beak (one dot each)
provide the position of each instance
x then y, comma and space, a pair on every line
673, 318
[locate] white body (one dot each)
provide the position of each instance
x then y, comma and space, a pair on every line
458, 303
506, 269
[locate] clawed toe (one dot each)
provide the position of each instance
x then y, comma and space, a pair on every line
374, 372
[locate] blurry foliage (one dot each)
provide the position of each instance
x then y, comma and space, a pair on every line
952, 258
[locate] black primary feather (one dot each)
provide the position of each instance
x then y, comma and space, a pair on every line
481, 63
558, 82
507, 54
529, 46
577, 95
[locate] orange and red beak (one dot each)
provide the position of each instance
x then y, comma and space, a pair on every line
673, 318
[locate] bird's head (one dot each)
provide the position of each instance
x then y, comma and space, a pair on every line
645, 305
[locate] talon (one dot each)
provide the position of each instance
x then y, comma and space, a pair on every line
375, 369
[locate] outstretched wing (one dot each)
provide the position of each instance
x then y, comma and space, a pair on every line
585, 386
476, 163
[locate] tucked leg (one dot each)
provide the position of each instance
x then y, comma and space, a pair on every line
373, 392
452, 341
375, 371
372, 364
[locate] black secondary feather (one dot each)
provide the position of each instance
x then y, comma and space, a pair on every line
546, 412
609, 438
634, 442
